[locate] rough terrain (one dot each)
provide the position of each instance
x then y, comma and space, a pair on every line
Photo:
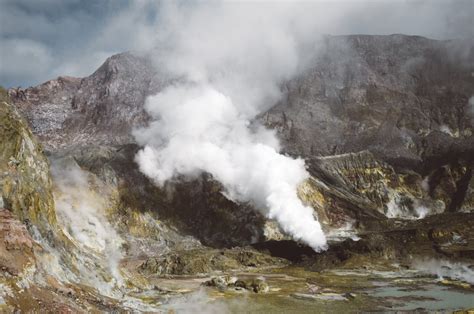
385, 126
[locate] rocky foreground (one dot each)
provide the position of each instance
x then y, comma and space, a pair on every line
385, 124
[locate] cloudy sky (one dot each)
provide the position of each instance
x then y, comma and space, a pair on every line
41, 39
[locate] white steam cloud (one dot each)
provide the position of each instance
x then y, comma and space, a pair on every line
82, 215
230, 60
35, 36
446, 269
471, 106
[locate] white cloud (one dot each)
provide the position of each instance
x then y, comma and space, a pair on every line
73, 31
24, 58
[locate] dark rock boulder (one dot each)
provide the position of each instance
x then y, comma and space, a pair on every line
205, 261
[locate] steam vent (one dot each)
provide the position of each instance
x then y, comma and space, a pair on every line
236, 157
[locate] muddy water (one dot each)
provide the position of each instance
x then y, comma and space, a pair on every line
293, 290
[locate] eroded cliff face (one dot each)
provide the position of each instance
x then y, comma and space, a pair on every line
58, 249
404, 98
25, 183
102, 108
372, 184
25, 200
25, 193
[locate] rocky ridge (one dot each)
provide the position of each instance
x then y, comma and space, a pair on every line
404, 99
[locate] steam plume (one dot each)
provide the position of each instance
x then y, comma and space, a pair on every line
445, 269
82, 215
230, 59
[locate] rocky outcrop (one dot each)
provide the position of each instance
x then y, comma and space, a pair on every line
41, 265
16, 245
370, 185
404, 98
196, 208
102, 108
222, 283
47, 107
445, 236
205, 261
25, 182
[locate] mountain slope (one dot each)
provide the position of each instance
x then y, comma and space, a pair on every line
384, 124
405, 99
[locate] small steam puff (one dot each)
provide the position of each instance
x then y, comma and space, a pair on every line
471, 106
446, 269
198, 129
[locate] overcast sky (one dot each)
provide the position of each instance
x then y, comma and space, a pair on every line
42, 39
